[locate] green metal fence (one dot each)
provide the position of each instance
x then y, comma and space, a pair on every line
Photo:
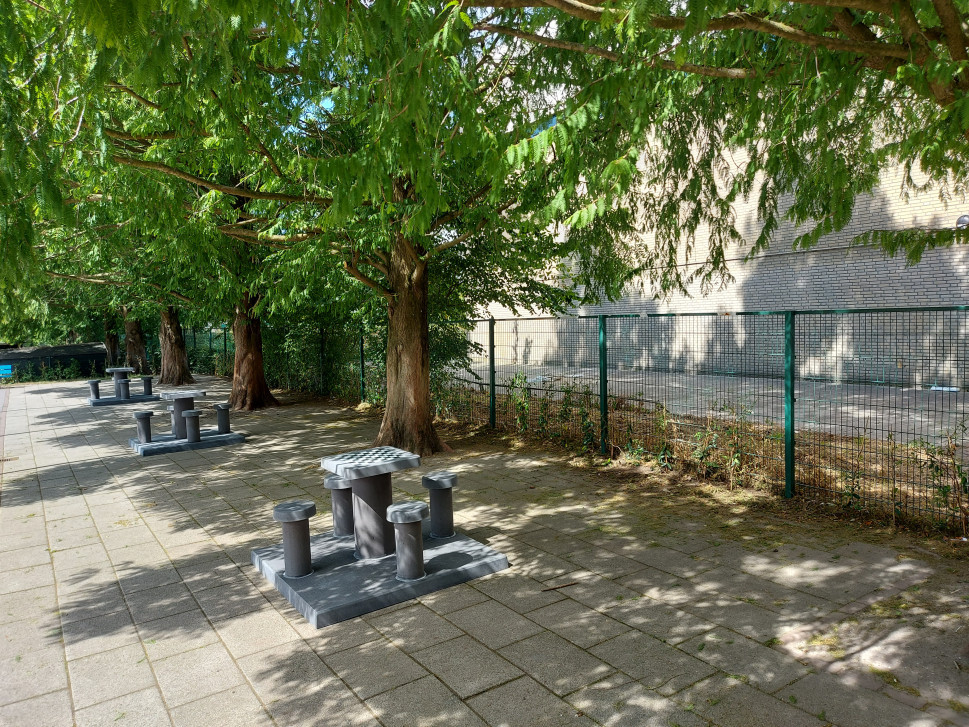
862, 409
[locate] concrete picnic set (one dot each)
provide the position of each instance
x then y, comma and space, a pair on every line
122, 389
348, 571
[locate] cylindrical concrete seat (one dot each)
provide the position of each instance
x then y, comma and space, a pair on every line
171, 413
95, 386
406, 517
143, 422
222, 417
124, 388
295, 519
439, 486
193, 432
146, 383
341, 495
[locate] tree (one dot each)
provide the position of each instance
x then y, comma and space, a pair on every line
796, 105
382, 140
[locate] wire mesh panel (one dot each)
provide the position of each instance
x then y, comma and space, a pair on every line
881, 411
463, 392
701, 390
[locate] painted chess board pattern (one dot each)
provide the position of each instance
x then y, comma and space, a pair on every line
370, 462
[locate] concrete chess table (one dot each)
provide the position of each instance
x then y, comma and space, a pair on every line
369, 472
122, 390
347, 581
184, 401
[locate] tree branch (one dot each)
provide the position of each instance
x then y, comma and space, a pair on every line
117, 283
232, 191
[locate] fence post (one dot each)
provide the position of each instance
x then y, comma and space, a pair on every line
363, 386
491, 374
603, 388
789, 404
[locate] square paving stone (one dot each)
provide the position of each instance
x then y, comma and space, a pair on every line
556, 663
466, 666
256, 631
22, 605
47, 710
658, 666
745, 618
660, 586
172, 635
493, 625
763, 667
237, 707
31, 674
520, 593
24, 579
453, 599
605, 562
658, 619
413, 628
526, 703
195, 674
425, 702
101, 633
630, 704
731, 703
339, 637
160, 602
374, 668
109, 674
594, 591
581, 625
851, 706
139, 708
231, 600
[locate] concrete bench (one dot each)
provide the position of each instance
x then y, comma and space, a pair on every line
407, 517
95, 386
341, 496
222, 417
295, 519
193, 432
143, 422
146, 384
439, 486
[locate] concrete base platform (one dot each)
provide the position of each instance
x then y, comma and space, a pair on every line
342, 587
166, 443
115, 401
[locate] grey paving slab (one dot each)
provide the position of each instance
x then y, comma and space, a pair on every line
581, 625
47, 710
616, 703
728, 702
144, 708
415, 627
493, 624
177, 634
426, 702
374, 668
236, 707
466, 666
556, 663
658, 619
31, 674
109, 674
453, 599
657, 665
255, 631
526, 703
765, 668
849, 706
519, 592
192, 675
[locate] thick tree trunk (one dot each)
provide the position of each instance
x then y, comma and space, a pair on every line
112, 344
174, 356
134, 346
408, 419
249, 388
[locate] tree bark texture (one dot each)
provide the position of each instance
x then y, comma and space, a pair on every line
408, 419
134, 345
249, 387
174, 355
112, 344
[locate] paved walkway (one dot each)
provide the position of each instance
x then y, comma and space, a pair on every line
127, 598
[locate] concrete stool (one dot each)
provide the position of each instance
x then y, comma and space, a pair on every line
192, 431
406, 517
439, 486
124, 388
146, 383
295, 519
171, 411
143, 422
342, 498
95, 386
222, 415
